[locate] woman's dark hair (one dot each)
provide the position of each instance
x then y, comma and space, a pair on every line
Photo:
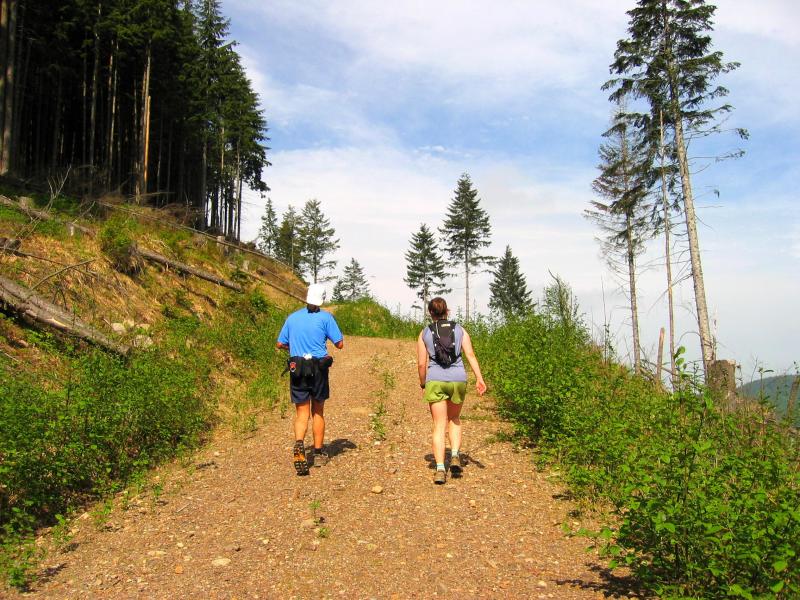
437, 307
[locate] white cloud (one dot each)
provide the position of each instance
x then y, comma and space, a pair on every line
362, 74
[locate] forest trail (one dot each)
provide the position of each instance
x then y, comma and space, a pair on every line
234, 521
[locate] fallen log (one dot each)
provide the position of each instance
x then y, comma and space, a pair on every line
32, 307
43, 215
280, 289
188, 269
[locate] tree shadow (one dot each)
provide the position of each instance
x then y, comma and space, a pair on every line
609, 584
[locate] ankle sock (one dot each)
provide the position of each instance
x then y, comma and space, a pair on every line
440, 466
454, 453
317, 450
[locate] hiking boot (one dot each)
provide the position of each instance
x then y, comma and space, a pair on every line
440, 477
320, 459
300, 462
457, 465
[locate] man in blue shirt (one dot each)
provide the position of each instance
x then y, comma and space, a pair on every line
305, 334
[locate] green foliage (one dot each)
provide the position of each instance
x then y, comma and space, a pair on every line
117, 241
368, 318
352, 285
102, 420
9, 215
425, 272
705, 501
316, 240
510, 295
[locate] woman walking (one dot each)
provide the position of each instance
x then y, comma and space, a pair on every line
440, 348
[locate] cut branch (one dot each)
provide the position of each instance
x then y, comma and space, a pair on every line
188, 269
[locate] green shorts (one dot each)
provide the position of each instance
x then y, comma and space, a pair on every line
436, 391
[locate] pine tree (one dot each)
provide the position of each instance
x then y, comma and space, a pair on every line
268, 234
288, 247
425, 270
624, 181
466, 231
669, 62
509, 291
316, 240
352, 285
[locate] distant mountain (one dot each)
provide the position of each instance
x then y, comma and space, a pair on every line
775, 390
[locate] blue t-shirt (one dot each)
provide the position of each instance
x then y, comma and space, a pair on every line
307, 333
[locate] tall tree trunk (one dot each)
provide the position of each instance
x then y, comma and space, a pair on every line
93, 100
238, 195
706, 341
466, 280
112, 115
667, 252
630, 255
145, 125
10, 31
4, 35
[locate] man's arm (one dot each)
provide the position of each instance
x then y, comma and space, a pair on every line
340, 344
282, 346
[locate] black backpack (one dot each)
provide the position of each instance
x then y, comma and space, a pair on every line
444, 342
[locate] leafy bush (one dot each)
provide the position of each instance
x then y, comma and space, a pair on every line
368, 318
705, 500
118, 243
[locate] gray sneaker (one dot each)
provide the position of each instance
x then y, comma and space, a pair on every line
320, 459
440, 477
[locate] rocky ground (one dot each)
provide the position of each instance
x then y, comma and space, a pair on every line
234, 521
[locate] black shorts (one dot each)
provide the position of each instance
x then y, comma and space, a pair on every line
314, 385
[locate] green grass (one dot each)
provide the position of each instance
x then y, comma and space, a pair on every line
370, 319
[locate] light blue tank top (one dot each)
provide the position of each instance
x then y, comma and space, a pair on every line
454, 372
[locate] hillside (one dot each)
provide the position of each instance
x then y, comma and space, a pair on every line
776, 390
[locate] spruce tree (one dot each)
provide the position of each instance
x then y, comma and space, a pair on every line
623, 215
466, 232
352, 285
425, 272
288, 248
316, 240
267, 239
669, 62
509, 292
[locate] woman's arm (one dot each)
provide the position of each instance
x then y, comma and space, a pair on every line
422, 360
468, 351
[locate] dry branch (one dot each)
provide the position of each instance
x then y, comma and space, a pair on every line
280, 289
184, 268
36, 309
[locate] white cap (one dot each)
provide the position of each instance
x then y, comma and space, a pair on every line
315, 294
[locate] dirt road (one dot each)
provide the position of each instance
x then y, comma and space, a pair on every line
234, 521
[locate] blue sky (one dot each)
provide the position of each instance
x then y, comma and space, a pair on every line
376, 109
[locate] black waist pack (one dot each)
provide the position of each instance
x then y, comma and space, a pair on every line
302, 371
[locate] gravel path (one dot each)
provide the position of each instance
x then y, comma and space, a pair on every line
234, 521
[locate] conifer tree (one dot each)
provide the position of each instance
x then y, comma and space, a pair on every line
623, 217
352, 285
316, 240
669, 62
268, 233
509, 292
466, 232
288, 247
425, 272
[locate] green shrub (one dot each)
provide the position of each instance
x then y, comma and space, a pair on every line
368, 318
117, 241
705, 501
